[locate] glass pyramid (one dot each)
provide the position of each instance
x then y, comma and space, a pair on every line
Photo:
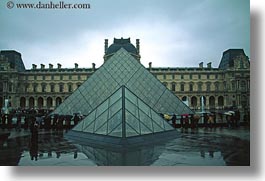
123, 114
122, 69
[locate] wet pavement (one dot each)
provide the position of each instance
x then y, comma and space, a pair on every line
201, 147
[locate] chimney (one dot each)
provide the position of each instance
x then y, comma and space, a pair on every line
50, 66
76, 66
106, 45
34, 66
150, 66
42, 66
201, 65
138, 45
93, 66
59, 66
209, 65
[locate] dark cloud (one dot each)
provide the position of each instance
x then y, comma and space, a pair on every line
172, 32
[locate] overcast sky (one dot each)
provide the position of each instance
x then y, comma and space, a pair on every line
172, 33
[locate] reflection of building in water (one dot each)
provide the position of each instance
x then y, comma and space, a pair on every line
134, 157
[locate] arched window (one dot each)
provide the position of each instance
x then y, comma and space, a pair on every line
49, 102
40, 102
220, 101
31, 102
22, 102
212, 102
194, 101
58, 101
184, 98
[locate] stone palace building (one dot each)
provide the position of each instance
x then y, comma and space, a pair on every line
46, 87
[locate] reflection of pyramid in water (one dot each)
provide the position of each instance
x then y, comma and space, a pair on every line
122, 69
123, 114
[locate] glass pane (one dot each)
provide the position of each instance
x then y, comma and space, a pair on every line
79, 127
102, 107
146, 120
168, 126
102, 130
117, 131
89, 119
132, 121
157, 119
114, 121
132, 108
144, 108
102, 119
144, 129
130, 96
130, 131
115, 108
90, 128
115, 97
157, 128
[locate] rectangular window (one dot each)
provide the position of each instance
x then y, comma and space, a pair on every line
43, 87
182, 87
61, 77
199, 76
199, 87
52, 77
208, 87
173, 76
190, 76
43, 77
216, 87
191, 87
182, 76
70, 88
173, 87
164, 76
79, 77
216, 76
208, 76
52, 88
26, 88
61, 87
35, 87
70, 77
10, 88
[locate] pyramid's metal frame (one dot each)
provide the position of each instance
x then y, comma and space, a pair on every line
122, 69
122, 101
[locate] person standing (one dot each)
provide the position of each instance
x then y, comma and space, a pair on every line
174, 119
18, 125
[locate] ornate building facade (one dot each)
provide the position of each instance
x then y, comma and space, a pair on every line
47, 87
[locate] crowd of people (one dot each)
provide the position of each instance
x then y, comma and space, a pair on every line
19, 119
230, 119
